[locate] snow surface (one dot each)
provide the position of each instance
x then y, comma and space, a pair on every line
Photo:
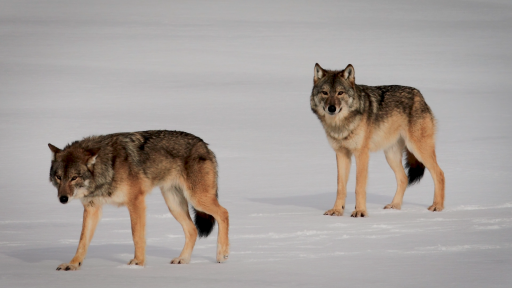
239, 75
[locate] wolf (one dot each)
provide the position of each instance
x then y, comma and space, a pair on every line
360, 119
121, 169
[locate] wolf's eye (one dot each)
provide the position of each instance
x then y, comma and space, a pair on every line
73, 178
340, 93
58, 177
325, 93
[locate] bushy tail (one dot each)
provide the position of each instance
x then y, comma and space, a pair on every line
204, 223
415, 169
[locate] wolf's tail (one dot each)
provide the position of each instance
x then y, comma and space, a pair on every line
204, 223
415, 169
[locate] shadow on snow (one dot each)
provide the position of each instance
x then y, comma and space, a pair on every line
324, 201
118, 253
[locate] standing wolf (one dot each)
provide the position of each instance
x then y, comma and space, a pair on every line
358, 119
122, 168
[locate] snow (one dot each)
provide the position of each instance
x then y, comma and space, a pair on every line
239, 75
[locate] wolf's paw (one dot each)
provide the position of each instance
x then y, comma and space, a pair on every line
136, 262
393, 206
436, 208
334, 212
222, 258
180, 260
222, 254
359, 213
68, 267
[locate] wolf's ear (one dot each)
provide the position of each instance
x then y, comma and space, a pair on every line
319, 73
54, 149
349, 74
94, 154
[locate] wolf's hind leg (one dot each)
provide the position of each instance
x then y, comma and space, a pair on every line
211, 206
421, 143
343, 162
203, 196
92, 215
201, 191
394, 158
178, 206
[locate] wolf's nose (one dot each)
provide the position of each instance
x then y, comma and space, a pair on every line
331, 108
63, 199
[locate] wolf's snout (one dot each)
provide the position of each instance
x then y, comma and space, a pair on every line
63, 199
331, 108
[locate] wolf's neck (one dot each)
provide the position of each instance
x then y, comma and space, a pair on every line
341, 128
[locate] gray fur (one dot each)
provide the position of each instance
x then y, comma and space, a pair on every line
145, 151
375, 103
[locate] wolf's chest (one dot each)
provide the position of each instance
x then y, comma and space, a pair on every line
350, 140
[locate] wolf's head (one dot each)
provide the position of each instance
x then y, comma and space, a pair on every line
334, 92
72, 171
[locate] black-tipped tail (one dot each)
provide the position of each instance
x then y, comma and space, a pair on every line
415, 169
204, 223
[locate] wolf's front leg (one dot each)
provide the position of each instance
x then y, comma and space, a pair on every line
137, 209
92, 215
343, 162
362, 158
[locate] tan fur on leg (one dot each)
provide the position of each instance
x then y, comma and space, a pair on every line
211, 206
202, 193
92, 215
421, 143
343, 162
137, 209
178, 206
394, 158
362, 158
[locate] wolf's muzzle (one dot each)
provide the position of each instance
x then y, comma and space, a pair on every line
63, 199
